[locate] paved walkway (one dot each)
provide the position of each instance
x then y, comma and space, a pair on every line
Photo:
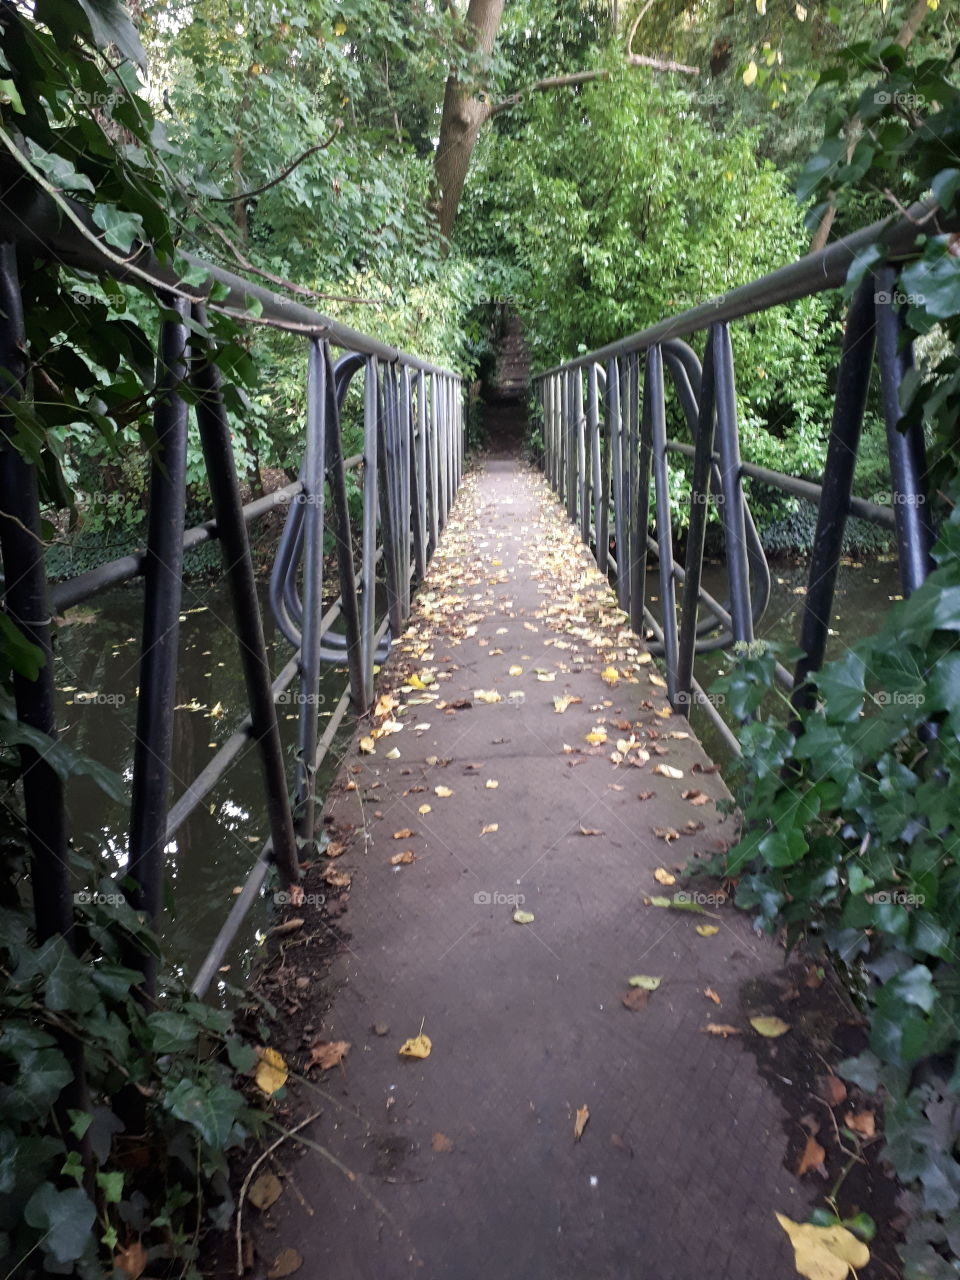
464, 1164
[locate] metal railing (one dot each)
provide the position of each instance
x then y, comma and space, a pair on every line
412, 464
607, 456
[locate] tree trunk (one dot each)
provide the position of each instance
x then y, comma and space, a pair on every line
462, 117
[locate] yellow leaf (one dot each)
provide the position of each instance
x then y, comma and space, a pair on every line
596, 736
523, 917
610, 676
424, 809
667, 771
394, 754
770, 1027
339, 27
707, 930
443, 792
487, 695
750, 75
761, 7
418, 1047
644, 982
583, 1115
563, 701
490, 828
515, 671
415, 682
824, 1253
368, 746
271, 1072
802, 13
663, 876
491, 784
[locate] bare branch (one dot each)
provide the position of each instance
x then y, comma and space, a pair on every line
285, 173
585, 77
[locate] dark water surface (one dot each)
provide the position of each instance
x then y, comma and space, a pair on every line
213, 851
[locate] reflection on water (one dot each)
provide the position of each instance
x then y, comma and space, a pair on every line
210, 855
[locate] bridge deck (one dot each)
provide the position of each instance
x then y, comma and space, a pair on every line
464, 1164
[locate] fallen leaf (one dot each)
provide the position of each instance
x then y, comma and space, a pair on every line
707, 930
824, 1253
487, 695
440, 1142
711, 994
417, 1047
265, 1191
490, 828
656, 680
563, 701
721, 1029
368, 746
443, 792
644, 981
336, 879
286, 1263
380, 1028
515, 671
424, 809
327, 1053
403, 859
696, 797
636, 999
523, 917
862, 1122
271, 1072
394, 754
403, 834
334, 848
610, 676
663, 876
491, 784
583, 1115
590, 831
667, 771
287, 926
769, 1026
132, 1258
596, 736
834, 1090
813, 1155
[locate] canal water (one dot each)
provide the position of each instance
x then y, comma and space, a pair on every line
211, 854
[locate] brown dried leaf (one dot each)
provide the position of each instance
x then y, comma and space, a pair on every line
711, 994
590, 831
862, 1122
285, 1264
132, 1259
440, 1142
696, 797
721, 1029
833, 1090
813, 1156
265, 1191
403, 859
583, 1115
327, 1053
636, 998
334, 849
403, 834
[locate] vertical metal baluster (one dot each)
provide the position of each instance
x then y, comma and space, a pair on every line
433, 469
214, 430
571, 482
638, 531
731, 482
368, 598
656, 407
28, 608
389, 523
615, 428
583, 477
313, 523
603, 515
593, 433
853, 384
696, 534
163, 575
418, 427
448, 383
642, 518
626, 492
343, 536
406, 507
905, 449
442, 429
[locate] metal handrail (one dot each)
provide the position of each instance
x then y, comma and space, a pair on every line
606, 448
413, 418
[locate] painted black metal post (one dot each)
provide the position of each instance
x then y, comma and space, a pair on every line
214, 430
656, 407
161, 625
853, 384
27, 607
368, 597
728, 447
418, 427
905, 449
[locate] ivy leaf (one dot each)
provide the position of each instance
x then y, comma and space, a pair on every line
212, 1109
842, 685
110, 24
119, 228
62, 758
26, 658
66, 1217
